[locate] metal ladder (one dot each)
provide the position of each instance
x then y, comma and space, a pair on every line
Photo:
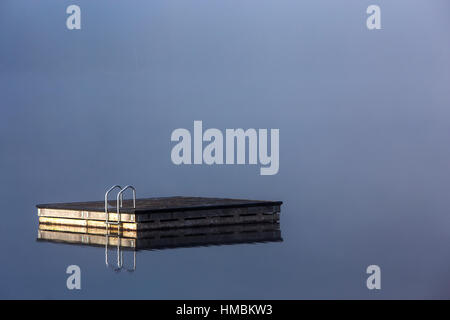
119, 204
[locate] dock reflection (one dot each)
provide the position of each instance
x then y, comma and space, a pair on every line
158, 239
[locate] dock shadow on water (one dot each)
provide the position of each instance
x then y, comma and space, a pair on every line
158, 223
162, 239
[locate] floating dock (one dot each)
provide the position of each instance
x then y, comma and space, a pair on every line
158, 213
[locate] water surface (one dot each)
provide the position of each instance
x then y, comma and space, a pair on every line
364, 125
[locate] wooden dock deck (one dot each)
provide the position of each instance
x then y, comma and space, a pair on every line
160, 213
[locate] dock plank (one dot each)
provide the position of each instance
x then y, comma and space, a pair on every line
165, 204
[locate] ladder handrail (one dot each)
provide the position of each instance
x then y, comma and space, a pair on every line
118, 197
106, 203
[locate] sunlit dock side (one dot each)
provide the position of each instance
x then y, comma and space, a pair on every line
159, 213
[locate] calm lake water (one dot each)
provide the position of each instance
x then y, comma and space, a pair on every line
364, 120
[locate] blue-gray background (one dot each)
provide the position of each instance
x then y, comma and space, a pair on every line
364, 125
